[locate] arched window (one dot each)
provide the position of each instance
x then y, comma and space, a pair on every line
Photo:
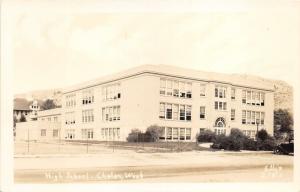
220, 122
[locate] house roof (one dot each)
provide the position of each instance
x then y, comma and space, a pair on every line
24, 104
21, 104
178, 72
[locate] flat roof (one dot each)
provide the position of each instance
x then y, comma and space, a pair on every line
49, 112
238, 80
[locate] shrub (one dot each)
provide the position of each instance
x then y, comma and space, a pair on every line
206, 136
133, 136
267, 144
153, 133
262, 135
249, 144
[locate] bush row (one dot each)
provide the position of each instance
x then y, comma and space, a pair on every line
236, 140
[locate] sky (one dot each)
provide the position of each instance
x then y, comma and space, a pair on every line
56, 49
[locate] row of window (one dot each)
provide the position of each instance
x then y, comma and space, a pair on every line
253, 97
175, 112
70, 134
111, 92
174, 133
111, 113
220, 91
87, 133
253, 117
220, 105
175, 88
69, 118
54, 119
87, 97
249, 133
110, 133
71, 100
88, 115
54, 133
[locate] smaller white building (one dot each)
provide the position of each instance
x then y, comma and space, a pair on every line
46, 128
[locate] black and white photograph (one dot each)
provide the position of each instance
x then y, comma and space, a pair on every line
120, 94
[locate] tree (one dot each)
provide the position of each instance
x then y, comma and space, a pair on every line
262, 134
15, 121
284, 119
48, 104
154, 131
283, 123
23, 118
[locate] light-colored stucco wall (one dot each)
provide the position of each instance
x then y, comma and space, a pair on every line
139, 104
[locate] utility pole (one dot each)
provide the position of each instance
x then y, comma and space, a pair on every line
87, 144
27, 139
257, 123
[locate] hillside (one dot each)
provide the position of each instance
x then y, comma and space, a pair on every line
54, 94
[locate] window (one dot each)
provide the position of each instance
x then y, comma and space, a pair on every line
248, 117
232, 93
87, 97
162, 111
162, 87
55, 119
202, 112
216, 92
87, 133
43, 132
87, 115
220, 91
253, 97
169, 111
189, 90
70, 118
111, 113
70, 100
55, 132
220, 122
257, 98
188, 113
188, 134
175, 133
262, 118
220, 105
202, 90
162, 136
257, 117
253, 117
70, 134
176, 89
248, 97
182, 112
220, 131
232, 114
262, 98
169, 88
175, 111
169, 133
244, 96
243, 117
111, 92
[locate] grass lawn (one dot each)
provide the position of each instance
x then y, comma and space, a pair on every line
149, 146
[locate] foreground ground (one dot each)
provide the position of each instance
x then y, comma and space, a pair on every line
73, 162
